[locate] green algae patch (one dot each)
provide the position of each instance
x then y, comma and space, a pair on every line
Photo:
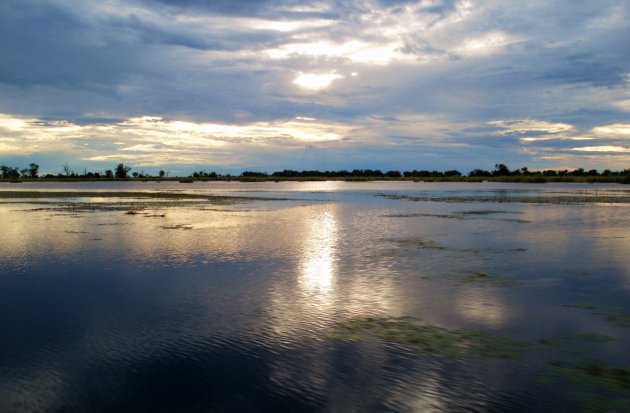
430, 339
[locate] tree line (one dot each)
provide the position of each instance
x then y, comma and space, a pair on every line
122, 171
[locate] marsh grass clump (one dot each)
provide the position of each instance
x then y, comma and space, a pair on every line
429, 339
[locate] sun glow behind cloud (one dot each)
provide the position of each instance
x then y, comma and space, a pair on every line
315, 82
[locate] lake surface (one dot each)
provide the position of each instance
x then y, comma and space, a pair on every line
314, 297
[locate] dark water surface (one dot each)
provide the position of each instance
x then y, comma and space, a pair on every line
326, 297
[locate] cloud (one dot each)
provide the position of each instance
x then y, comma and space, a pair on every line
464, 78
621, 130
526, 126
613, 149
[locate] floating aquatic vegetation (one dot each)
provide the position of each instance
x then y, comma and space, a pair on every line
585, 306
585, 337
602, 388
132, 194
460, 215
430, 339
478, 277
178, 226
485, 212
424, 244
614, 315
145, 214
570, 199
417, 243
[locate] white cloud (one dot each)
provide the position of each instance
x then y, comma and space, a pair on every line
619, 130
486, 44
524, 126
167, 141
617, 149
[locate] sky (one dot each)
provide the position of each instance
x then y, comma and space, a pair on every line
267, 85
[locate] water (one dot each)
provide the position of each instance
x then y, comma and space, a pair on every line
233, 306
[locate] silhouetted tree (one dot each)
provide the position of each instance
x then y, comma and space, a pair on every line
254, 174
9, 172
500, 170
479, 173
109, 174
33, 170
122, 170
67, 170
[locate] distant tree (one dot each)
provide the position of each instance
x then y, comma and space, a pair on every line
479, 173
122, 171
67, 170
452, 172
254, 174
135, 174
109, 174
393, 174
9, 172
500, 170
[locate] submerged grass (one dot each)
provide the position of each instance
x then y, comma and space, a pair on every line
601, 387
482, 278
574, 199
614, 315
125, 194
430, 339
408, 245
462, 215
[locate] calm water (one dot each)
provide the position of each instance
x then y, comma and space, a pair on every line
229, 307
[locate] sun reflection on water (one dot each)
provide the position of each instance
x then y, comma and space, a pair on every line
317, 269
